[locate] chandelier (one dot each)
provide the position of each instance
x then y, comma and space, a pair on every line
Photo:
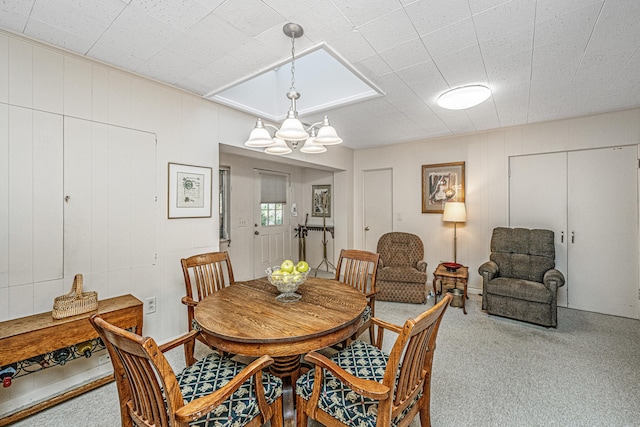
293, 131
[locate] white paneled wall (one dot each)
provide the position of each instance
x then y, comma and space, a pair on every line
20, 196
4, 209
47, 196
4, 70
34, 197
71, 126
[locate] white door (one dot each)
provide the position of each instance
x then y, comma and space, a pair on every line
596, 244
539, 200
378, 207
271, 243
603, 237
110, 215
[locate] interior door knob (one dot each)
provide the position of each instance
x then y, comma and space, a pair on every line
367, 228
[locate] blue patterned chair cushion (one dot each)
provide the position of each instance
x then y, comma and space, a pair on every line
366, 315
195, 326
364, 361
213, 372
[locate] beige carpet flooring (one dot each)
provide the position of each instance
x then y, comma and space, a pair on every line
488, 371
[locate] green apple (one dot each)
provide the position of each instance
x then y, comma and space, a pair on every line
302, 266
287, 266
287, 277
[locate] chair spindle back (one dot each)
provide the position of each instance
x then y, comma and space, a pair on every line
413, 353
207, 273
144, 375
358, 269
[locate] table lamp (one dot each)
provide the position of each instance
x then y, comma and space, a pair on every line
454, 212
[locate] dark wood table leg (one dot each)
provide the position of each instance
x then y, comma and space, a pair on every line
288, 369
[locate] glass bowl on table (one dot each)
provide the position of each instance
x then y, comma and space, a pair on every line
286, 283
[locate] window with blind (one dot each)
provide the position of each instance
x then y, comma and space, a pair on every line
273, 198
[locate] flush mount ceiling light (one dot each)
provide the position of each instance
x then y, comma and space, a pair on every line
292, 131
464, 97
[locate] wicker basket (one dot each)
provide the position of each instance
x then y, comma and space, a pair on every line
75, 302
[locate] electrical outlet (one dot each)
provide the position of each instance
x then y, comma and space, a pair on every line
151, 305
105, 358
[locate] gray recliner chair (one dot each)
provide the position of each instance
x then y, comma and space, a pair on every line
520, 280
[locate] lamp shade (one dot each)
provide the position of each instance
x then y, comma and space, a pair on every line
454, 212
292, 130
278, 148
259, 137
311, 147
327, 135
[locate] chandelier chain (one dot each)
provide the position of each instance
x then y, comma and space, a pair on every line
293, 62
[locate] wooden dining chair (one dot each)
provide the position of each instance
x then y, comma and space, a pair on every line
203, 275
359, 269
363, 386
214, 391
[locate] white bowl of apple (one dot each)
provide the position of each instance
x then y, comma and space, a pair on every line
287, 278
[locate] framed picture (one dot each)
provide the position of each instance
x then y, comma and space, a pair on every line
321, 201
189, 191
443, 182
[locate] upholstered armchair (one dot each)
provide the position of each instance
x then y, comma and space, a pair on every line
520, 280
402, 272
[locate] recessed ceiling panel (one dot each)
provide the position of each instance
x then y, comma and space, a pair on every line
323, 79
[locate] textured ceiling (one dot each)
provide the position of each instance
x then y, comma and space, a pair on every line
544, 59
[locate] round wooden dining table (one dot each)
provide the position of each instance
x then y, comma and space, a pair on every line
246, 319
